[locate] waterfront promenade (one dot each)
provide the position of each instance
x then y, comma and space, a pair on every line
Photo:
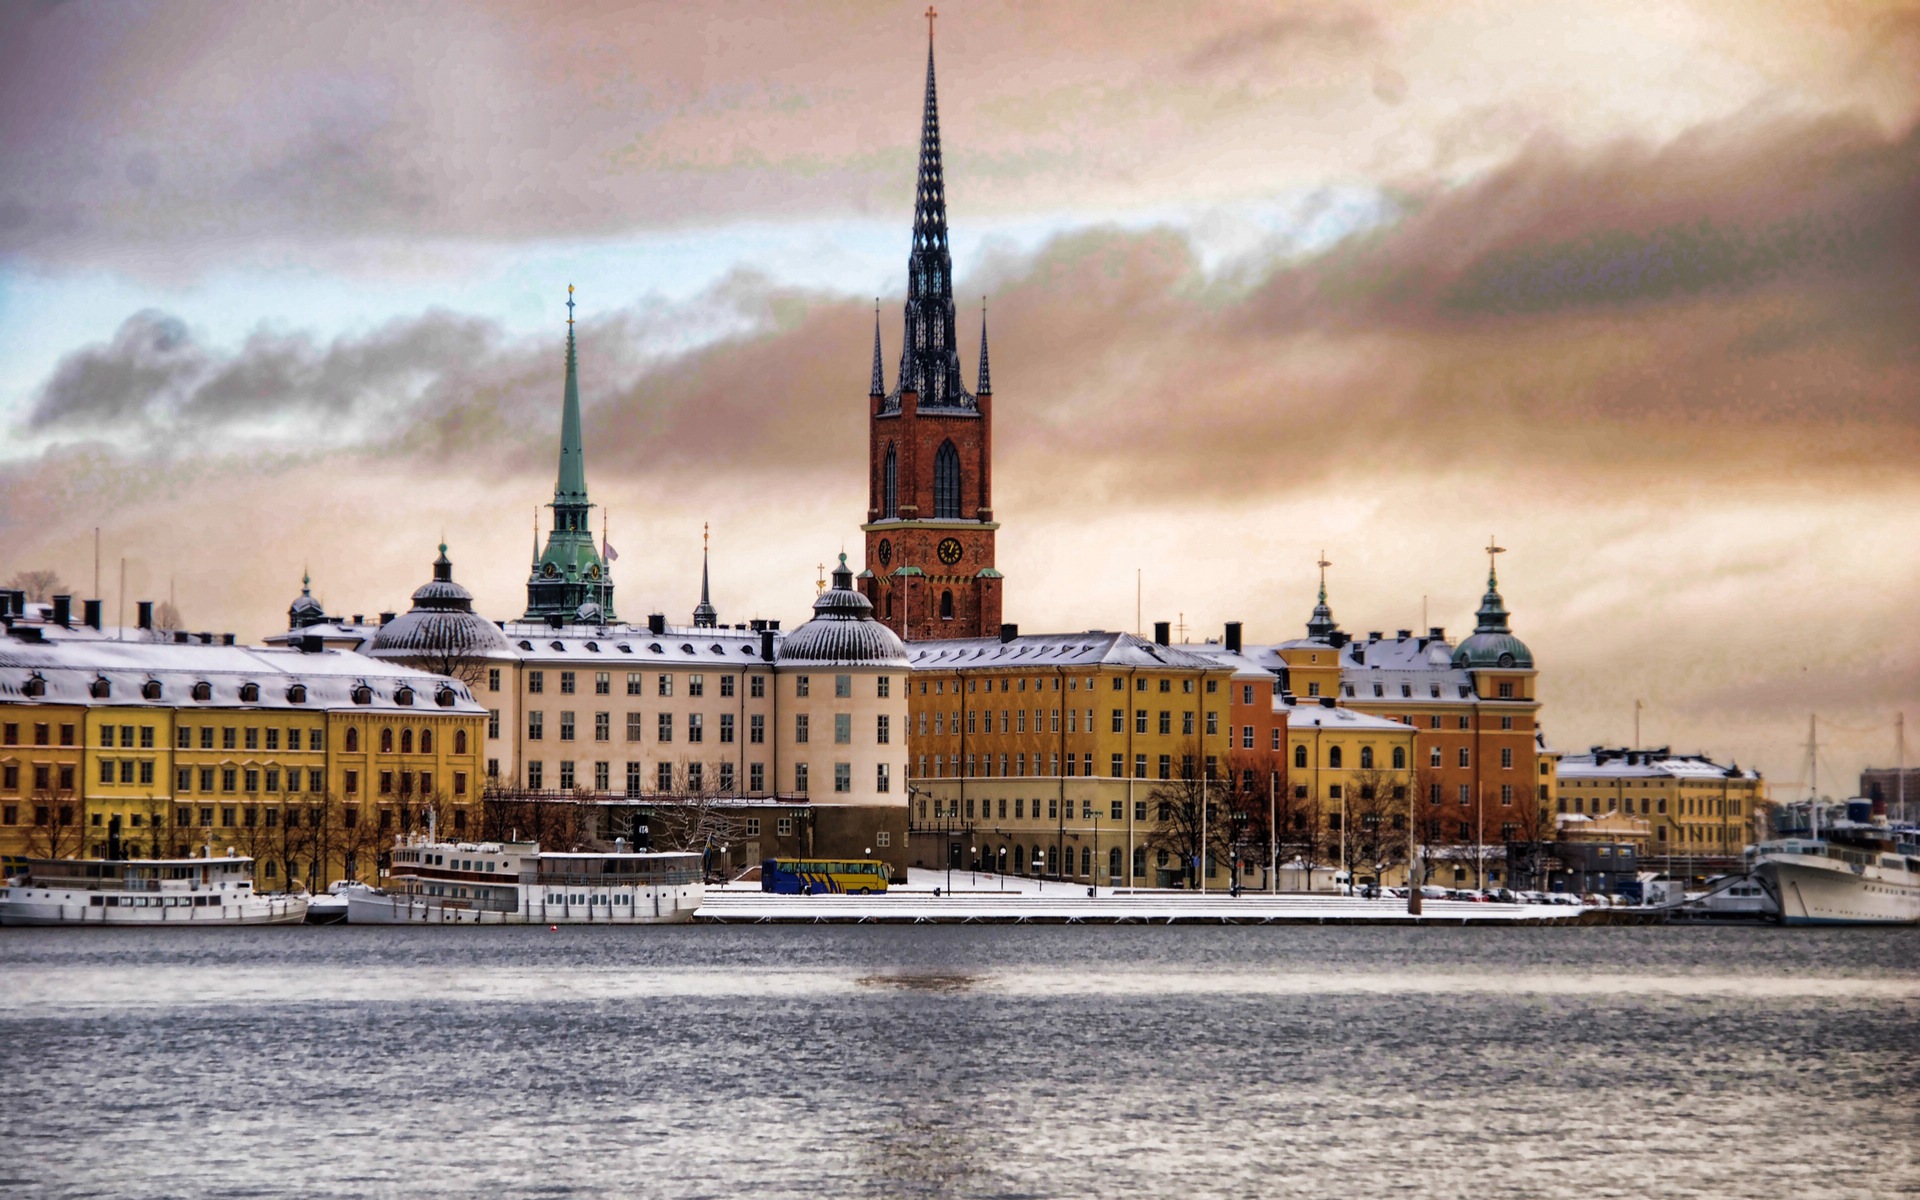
979, 898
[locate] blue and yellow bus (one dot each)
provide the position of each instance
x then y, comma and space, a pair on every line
814, 876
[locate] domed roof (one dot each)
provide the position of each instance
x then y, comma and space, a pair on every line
1492, 643
305, 610
441, 621
843, 630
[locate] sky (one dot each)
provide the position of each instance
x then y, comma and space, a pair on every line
1628, 287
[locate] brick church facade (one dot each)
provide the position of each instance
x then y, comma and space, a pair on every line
929, 531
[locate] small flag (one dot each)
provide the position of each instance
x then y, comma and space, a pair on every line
608, 552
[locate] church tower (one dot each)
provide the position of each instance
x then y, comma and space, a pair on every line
930, 525
569, 581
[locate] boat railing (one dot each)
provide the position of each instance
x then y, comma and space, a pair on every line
666, 876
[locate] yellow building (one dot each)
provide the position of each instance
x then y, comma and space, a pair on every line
1695, 807
308, 762
1038, 755
1351, 779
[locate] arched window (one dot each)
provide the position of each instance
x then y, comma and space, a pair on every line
1300, 758
946, 606
889, 606
386, 741
1086, 860
1399, 758
1019, 860
406, 741
459, 741
426, 741
1366, 758
946, 483
890, 487
1113, 863
1333, 757
353, 739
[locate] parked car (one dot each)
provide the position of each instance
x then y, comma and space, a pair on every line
1433, 892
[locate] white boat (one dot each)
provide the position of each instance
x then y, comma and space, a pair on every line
143, 892
330, 908
1831, 869
1734, 897
516, 883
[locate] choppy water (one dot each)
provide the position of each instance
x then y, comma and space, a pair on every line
961, 1061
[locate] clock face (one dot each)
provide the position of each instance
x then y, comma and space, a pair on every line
950, 551
593, 572
886, 551
549, 570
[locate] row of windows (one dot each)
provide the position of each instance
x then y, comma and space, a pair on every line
388, 741
230, 737
664, 723
692, 777
951, 808
1015, 720
696, 684
254, 779
42, 734
1010, 684
289, 817
44, 775
1014, 766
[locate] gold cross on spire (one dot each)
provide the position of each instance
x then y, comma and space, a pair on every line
1323, 564
821, 584
1493, 548
569, 304
931, 14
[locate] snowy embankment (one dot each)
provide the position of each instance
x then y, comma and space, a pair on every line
1063, 904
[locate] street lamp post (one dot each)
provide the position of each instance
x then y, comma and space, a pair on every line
1000, 865
1040, 870
973, 852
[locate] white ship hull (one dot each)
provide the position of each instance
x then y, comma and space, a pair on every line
59, 906
600, 906
1813, 889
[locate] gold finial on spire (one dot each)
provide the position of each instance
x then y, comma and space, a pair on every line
569, 305
931, 14
821, 584
1323, 564
706, 531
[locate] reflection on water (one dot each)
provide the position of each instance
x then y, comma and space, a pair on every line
961, 1061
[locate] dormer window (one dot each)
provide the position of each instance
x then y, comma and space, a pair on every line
250, 692
594, 646
362, 694
203, 690
297, 694
36, 685
686, 647
100, 688
403, 696
150, 690
1406, 690
1435, 688
557, 645
526, 645
444, 697
625, 648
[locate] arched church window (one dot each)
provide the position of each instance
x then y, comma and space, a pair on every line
406, 741
1300, 758
890, 494
1333, 757
946, 482
946, 606
386, 741
1366, 757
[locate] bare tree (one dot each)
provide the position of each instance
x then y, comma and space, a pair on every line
1188, 809
452, 648
56, 831
1377, 820
695, 820
564, 821
39, 585
167, 618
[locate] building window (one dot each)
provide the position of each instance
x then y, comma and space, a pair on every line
890, 486
1464, 759
1333, 757
800, 728
493, 723
800, 778
756, 777
602, 683
757, 686
843, 686
802, 684
566, 683
842, 729
882, 782
946, 482
536, 775
663, 685
493, 679
536, 726
566, 775
633, 683
566, 726
663, 727
757, 728
536, 682
726, 729
883, 729
1506, 757
663, 777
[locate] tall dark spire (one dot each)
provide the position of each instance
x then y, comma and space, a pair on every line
571, 487
879, 387
1321, 626
569, 572
984, 384
929, 359
704, 615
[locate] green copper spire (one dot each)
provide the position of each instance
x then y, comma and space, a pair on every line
572, 485
569, 581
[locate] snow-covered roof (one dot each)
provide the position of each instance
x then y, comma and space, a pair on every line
623, 645
1245, 665
70, 672
1645, 764
1308, 716
1096, 647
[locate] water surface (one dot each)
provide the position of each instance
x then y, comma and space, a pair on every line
961, 1061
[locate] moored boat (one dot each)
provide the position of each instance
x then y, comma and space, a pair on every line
143, 892
1840, 865
330, 907
516, 883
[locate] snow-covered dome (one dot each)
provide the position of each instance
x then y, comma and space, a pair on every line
305, 610
589, 614
843, 630
441, 621
1492, 643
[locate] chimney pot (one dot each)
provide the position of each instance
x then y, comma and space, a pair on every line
92, 610
656, 623
226, 639
1437, 632
312, 643
766, 645
145, 610
1008, 632
1162, 630
63, 610
1233, 637
385, 617
181, 637
1404, 634
359, 618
